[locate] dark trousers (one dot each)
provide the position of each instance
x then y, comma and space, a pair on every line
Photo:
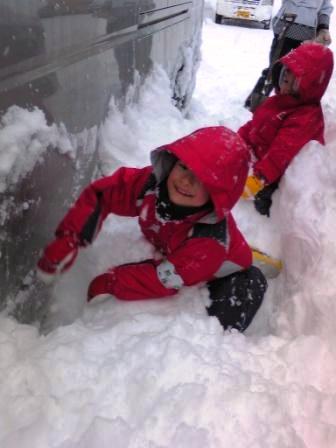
235, 299
287, 46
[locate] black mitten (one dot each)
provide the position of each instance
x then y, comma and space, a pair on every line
263, 199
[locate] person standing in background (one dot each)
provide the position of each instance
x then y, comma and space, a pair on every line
311, 23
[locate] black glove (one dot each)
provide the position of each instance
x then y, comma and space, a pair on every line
263, 199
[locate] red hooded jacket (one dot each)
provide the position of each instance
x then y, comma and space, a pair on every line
197, 248
283, 124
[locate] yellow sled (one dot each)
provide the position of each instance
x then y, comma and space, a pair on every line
269, 266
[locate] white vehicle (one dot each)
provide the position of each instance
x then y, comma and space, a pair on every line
251, 10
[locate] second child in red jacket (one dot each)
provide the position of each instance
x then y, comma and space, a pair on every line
183, 202
285, 122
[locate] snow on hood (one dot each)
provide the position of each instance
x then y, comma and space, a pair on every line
217, 156
312, 65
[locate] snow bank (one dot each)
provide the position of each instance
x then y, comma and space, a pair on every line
127, 137
24, 136
306, 211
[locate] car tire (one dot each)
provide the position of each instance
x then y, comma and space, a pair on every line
267, 25
218, 18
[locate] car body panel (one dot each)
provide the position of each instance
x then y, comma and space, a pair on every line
68, 58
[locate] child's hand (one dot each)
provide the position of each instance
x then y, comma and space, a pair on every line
57, 258
253, 185
323, 37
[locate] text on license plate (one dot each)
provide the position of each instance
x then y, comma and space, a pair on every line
243, 13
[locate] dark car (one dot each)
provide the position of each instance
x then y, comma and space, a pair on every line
65, 59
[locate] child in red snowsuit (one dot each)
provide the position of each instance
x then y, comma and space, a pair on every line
183, 204
285, 122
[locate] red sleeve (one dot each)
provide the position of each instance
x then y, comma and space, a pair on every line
138, 281
113, 194
297, 130
197, 260
244, 131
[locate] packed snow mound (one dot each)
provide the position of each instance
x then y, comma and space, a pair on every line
25, 136
305, 210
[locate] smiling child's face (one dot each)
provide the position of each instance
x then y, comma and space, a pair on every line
184, 188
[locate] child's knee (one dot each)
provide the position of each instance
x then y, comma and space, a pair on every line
235, 299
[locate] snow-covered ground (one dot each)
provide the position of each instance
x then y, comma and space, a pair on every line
161, 374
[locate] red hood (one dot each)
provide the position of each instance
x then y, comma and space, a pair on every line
217, 156
312, 65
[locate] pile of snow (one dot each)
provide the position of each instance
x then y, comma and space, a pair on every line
25, 136
161, 373
127, 137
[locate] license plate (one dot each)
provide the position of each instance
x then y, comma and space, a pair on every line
243, 13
